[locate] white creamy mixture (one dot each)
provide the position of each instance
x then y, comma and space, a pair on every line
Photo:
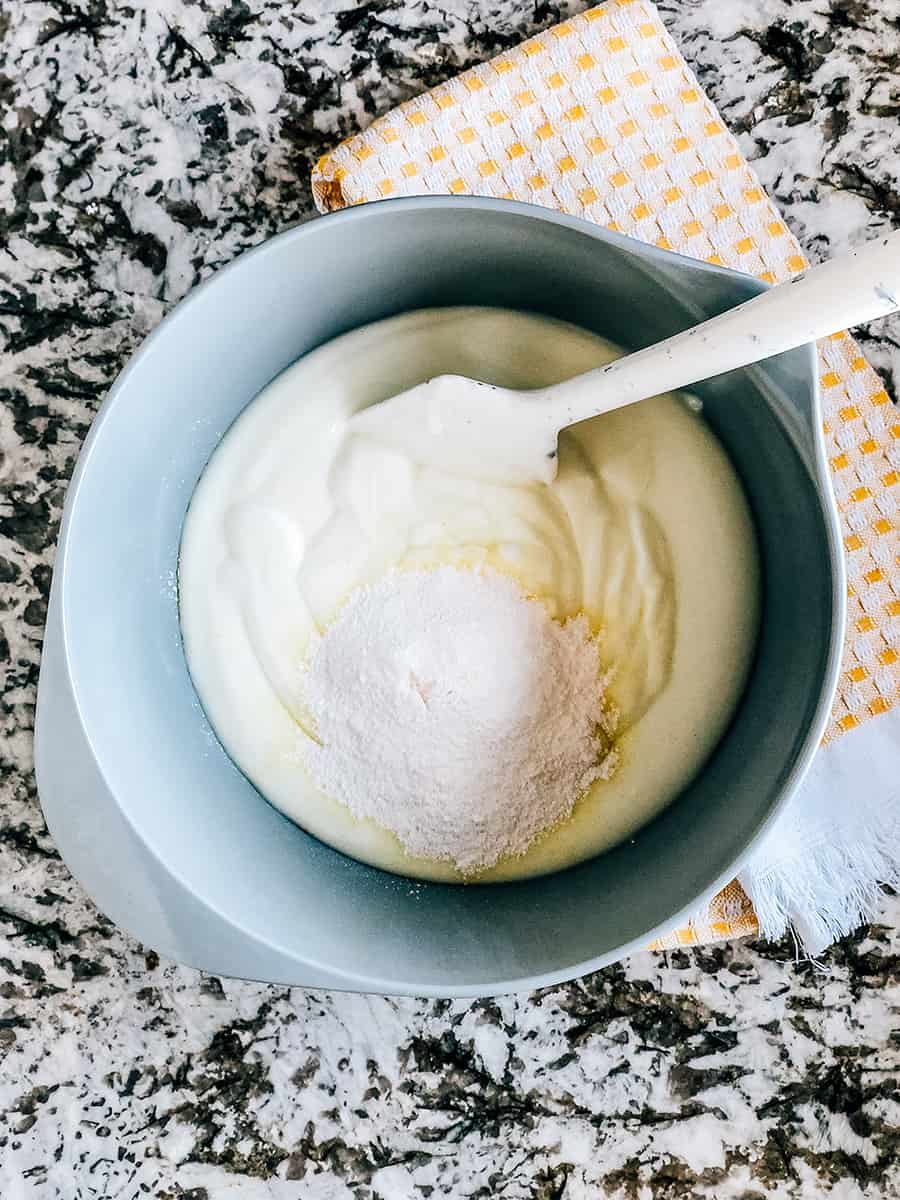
645, 530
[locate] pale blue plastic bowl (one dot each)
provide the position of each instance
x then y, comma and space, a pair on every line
150, 814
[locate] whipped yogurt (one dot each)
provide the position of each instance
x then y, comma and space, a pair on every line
645, 530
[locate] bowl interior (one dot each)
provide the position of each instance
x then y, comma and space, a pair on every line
199, 816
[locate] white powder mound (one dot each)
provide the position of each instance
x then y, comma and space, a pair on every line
456, 713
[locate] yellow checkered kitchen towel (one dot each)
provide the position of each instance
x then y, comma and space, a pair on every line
601, 117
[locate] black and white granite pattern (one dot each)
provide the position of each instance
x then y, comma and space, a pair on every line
141, 146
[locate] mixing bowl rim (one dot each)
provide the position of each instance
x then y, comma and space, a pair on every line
826, 506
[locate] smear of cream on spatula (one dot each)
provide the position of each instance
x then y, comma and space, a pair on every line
455, 712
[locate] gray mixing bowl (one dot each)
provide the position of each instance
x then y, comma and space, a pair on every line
163, 831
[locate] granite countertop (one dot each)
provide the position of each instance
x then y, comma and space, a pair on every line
141, 146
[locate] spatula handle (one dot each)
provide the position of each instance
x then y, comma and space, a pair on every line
843, 292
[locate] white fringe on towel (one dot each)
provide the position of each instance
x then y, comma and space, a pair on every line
819, 870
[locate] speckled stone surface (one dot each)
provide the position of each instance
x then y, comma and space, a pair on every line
141, 146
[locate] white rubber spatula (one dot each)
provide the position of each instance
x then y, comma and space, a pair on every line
462, 425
